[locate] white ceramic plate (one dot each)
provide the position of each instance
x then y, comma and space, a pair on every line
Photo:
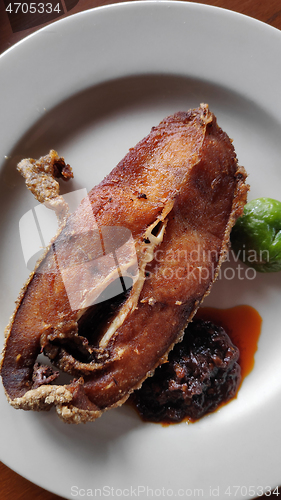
91, 86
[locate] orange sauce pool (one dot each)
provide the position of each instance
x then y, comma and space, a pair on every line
243, 326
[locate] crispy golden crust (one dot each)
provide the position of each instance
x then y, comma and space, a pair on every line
178, 193
41, 179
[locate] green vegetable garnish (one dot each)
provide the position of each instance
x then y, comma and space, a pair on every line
256, 236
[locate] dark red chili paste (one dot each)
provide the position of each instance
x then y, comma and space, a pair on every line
205, 369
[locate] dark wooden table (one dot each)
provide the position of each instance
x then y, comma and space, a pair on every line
14, 28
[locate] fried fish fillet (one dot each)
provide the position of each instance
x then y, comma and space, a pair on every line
161, 219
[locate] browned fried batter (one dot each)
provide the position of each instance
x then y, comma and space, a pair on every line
40, 178
177, 193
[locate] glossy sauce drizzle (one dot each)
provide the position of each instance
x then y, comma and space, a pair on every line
243, 326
